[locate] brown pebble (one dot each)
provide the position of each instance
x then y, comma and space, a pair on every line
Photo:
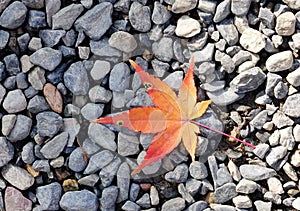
53, 97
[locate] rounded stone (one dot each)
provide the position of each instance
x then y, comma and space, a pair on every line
123, 41
280, 61
285, 24
252, 40
15, 101
187, 27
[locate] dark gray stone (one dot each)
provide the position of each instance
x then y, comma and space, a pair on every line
4, 36
37, 104
49, 123
14, 15
27, 153
49, 196
79, 200
12, 64
51, 37
46, 58
96, 21
140, 17
6, 151
21, 128
21, 80
37, 19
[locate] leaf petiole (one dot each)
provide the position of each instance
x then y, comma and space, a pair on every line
224, 134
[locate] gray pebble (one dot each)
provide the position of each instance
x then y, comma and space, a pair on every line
286, 139
98, 161
37, 104
14, 15
144, 201
72, 127
150, 169
27, 153
127, 144
123, 41
12, 64
291, 106
70, 38
224, 97
41, 165
76, 79
100, 69
109, 197
83, 52
23, 41
6, 152
65, 17
130, 206
90, 147
205, 54
76, 160
185, 194
79, 200
98, 94
46, 58
174, 204
198, 205
272, 80
266, 16
261, 172
280, 90
228, 31
96, 21
163, 49
92, 111
35, 44
261, 150
103, 49
49, 123
55, 146
36, 78
119, 77
140, 17
108, 172
223, 176
240, 8
49, 195
280, 61
243, 202
246, 186
10, 82
294, 77
178, 175
36, 19
21, 80
4, 36
222, 11
102, 136
134, 191
263, 206
52, 6
17, 176
21, 128
8, 122
272, 197
183, 6
192, 186
89, 180
174, 80
123, 181
280, 120
260, 119
51, 37
160, 14
225, 193
198, 170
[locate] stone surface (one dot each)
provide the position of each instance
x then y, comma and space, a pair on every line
252, 40
291, 107
46, 58
280, 61
36, 78
119, 77
14, 15
261, 173
160, 14
98, 161
285, 24
102, 136
225, 193
49, 196
21, 128
174, 204
14, 101
109, 197
294, 77
79, 200
123, 41
6, 151
14, 200
140, 17
49, 124
55, 146
187, 27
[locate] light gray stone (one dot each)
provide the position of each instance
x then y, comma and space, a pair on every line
280, 61
291, 107
14, 15
46, 58
140, 17
123, 41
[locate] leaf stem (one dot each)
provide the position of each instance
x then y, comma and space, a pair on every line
224, 134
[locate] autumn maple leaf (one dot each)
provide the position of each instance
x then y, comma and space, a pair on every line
171, 119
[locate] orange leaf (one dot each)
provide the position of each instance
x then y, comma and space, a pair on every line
171, 118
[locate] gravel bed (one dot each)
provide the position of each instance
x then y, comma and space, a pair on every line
63, 63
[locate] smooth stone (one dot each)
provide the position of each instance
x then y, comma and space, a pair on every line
89, 180
76, 79
96, 21
291, 106
17, 176
261, 173
76, 160
49, 196
12, 64
261, 150
187, 27
92, 111
4, 36
275, 185
205, 54
285, 24
41, 165
71, 126
140, 17
21, 128
6, 151
14, 101
8, 122
174, 204
37, 19
198, 170
183, 6
280, 61
295, 158
100, 69
277, 157
252, 40
109, 197
263, 206
280, 120
14, 200
49, 124
174, 80
102, 136
98, 161
222, 11
64, 18
23, 41
224, 97
27, 153
260, 119
14, 15
123, 41
98, 94
55, 146
246, 186
79, 200
119, 77
223, 176
243, 202
163, 49
281, 90
127, 144
51, 37
178, 175
103, 49
35, 44
144, 201
240, 7
296, 202
46, 58
130, 206
160, 14
225, 193
294, 77
123, 182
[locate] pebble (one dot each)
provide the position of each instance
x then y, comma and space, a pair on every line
77, 162
79, 200
252, 40
198, 170
290, 171
55, 146
21, 128
174, 204
144, 201
280, 61
187, 27
35, 44
246, 186
48, 124
276, 157
296, 203
130, 206
263, 206
6, 152
4, 38
281, 90
252, 79
92, 111
291, 106
225, 96
223, 176
295, 158
294, 77
274, 198
13, 16
12, 64
51, 37
123, 41
52, 7
140, 17
8, 122
53, 97
119, 77
275, 185
160, 14
96, 21
76, 79
98, 161
89, 180
205, 55
17, 176
163, 49
36, 19
109, 197
178, 175
127, 144
234, 171
228, 31
103, 49
64, 18
46, 58
261, 173
225, 193
100, 69
123, 182
98, 94
108, 172
150, 169
36, 78
286, 139
14, 200
102, 136
240, 8
261, 150
285, 24
242, 202
49, 196
71, 126
222, 11
154, 196
185, 194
